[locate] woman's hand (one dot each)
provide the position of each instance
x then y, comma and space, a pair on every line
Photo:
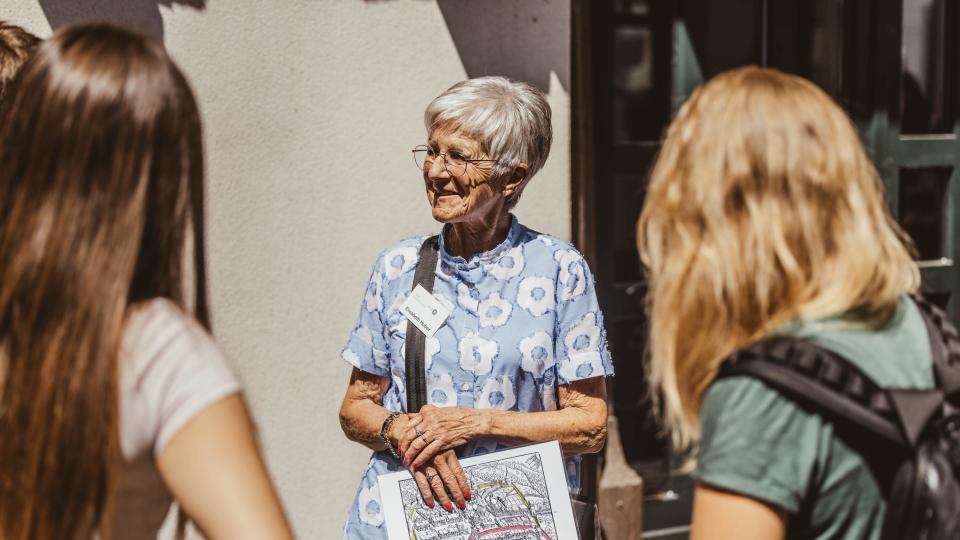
442, 478
403, 424
438, 429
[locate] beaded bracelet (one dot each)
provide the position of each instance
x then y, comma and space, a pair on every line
385, 429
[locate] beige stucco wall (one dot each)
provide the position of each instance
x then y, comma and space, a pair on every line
311, 108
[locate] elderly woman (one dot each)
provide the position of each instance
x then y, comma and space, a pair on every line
522, 356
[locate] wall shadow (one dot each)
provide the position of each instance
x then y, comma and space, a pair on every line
139, 15
520, 40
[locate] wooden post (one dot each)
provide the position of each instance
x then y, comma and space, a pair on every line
620, 494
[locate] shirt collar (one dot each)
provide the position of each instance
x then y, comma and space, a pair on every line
484, 257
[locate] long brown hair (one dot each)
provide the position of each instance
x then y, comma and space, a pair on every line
101, 177
762, 208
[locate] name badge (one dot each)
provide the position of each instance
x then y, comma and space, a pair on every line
424, 311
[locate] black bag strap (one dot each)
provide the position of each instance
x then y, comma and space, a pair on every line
825, 382
416, 340
820, 380
945, 346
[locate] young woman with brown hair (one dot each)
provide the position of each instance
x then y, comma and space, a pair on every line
113, 400
764, 215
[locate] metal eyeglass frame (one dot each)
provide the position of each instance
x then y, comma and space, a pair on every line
424, 148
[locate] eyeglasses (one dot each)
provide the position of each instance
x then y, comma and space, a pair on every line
453, 162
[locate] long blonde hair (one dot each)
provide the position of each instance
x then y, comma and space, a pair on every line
762, 208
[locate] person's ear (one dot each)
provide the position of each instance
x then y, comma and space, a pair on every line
517, 178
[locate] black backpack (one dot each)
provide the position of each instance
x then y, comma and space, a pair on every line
910, 439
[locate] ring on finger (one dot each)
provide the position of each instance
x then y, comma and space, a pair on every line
429, 477
422, 435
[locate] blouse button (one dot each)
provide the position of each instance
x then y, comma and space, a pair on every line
466, 386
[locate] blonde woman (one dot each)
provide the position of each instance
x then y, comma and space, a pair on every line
764, 215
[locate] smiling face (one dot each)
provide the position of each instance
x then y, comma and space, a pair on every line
473, 196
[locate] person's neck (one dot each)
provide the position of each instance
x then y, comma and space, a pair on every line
466, 239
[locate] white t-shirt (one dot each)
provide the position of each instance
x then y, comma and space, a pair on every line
170, 371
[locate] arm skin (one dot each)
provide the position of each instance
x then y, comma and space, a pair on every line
580, 424
214, 469
362, 412
720, 514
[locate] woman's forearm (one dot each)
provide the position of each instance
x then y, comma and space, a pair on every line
362, 413
580, 424
361, 421
579, 431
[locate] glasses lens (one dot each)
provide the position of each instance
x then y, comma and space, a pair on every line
419, 155
456, 165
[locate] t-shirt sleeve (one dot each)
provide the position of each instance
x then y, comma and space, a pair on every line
581, 348
172, 370
757, 443
366, 347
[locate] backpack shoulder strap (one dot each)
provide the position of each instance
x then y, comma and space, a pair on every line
821, 381
944, 345
416, 341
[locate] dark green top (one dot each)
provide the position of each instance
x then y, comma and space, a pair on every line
756, 443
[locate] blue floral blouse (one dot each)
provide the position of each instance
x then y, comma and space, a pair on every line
524, 320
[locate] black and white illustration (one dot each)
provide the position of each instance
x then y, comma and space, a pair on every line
516, 494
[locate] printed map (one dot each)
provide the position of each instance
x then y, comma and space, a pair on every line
509, 502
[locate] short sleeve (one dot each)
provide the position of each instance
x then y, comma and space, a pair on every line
366, 347
757, 443
581, 348
171, 370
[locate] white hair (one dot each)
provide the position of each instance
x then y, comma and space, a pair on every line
510, 119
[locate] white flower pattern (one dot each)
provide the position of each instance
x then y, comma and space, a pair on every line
536, 353
508, 265
440, 390
477, 354
369, 505
498, 394
352, 358
468, 297
399, 261
535, 295
381, 359
494, 311
572, 278
582, 343
583, 336
373, 299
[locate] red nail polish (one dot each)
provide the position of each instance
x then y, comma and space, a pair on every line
449, 507
416, 464
461, 504
467, 494
430, 504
